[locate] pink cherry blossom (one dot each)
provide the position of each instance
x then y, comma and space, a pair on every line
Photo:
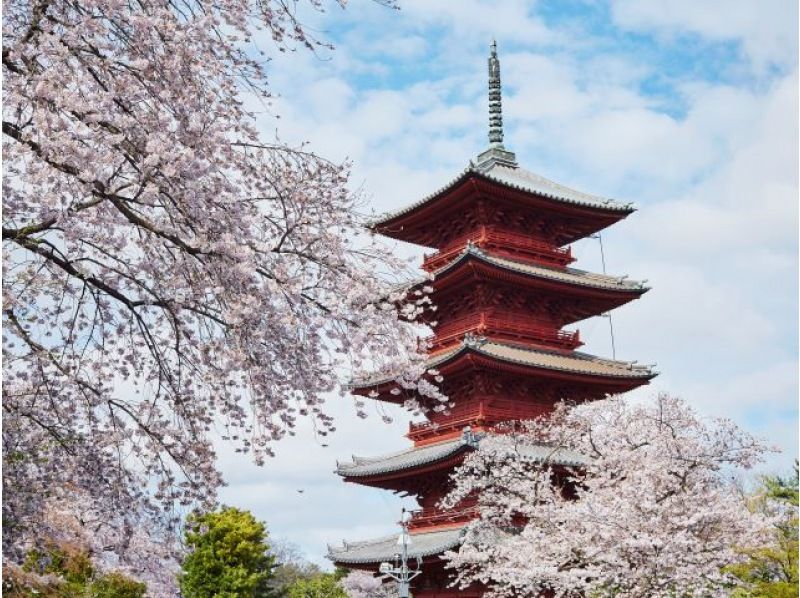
168, 273
360, 584
652, 511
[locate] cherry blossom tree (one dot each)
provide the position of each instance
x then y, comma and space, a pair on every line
168, 273
652, 512
142, 549
360, 584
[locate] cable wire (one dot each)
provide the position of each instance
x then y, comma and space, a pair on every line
599, 238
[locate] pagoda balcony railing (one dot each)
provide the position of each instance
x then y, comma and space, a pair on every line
436, 517
507, 326
504, 243
498, 410
416, 429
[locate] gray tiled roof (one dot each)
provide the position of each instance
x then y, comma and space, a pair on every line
384, 549
572, 362
416, 456
410, 457
431, 543
575, 361
568, 275
557, 456
523, 180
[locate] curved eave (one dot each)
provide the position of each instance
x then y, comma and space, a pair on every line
398, 479
416, 461
385, 476
384, 385
508, 357
379, 550
409, 458
606, 210
560, 279
566, 373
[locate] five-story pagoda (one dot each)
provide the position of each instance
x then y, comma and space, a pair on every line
504, 290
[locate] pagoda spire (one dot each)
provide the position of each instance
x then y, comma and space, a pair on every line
495, 99
497, 153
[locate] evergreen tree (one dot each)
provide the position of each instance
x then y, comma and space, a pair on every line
771, 571
229, 555
323, 585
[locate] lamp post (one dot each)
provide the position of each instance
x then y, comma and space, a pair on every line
400, 571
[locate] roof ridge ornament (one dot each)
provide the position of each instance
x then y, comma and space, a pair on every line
469, 438
497, 153
472, 248
474, 341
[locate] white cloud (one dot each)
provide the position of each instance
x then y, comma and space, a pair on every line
716, 183
297, 493
480, 20
751, 194
767, 29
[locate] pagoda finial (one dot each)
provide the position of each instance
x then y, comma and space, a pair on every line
496, 154
495, 99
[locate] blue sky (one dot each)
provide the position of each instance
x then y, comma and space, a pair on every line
687, 108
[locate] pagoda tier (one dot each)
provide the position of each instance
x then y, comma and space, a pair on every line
502, 204
474, 356
423, 472
503, 299
493, 382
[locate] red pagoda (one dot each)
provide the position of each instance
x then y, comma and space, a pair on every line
504, 291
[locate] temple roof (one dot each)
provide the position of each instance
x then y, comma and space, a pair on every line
572, 362
525, 180
405, 459
416, 456
566, 275
385, 549
496, 172
520, 179
575, 361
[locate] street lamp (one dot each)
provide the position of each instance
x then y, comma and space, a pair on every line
400, 571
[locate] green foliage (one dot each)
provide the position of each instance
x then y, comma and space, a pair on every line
291, 568
65, 571
294, 576
67, 562
340, 572
785, 489
322, 585
229, 558
771, 571
116, 585
287, 575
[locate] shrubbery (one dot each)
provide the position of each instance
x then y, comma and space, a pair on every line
66, 571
